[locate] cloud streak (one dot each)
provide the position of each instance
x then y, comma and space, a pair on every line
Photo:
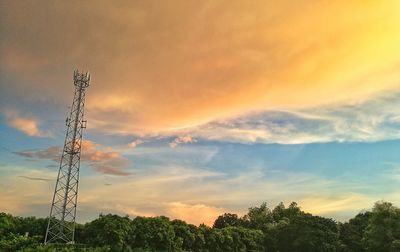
375, 119
105, 161
52, 153
35, 178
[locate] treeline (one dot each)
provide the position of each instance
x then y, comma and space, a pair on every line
283, 229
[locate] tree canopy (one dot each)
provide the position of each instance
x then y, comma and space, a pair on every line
280, 229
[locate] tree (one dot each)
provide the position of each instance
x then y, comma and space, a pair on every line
7, 224
15, 242
383, 228
245, 239
226, 220
280, 212
282, 229
111, 230
351, 233
307, 233
258, 217
395, 246
185, 234
32, 226
154, 234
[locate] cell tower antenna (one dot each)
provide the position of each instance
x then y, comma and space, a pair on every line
61, 224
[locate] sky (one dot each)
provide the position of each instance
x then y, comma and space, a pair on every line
198, 108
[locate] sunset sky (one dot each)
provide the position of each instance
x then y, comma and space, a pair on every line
197, 108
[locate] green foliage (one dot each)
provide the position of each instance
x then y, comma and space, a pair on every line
395, 246
66, 248
154, 234
226, 220
7, 224
108, 230
351, 233
185, 235
383, 229
281, 229
307, 233
280, 212
258, 217
15, 242
232, 239
17, 233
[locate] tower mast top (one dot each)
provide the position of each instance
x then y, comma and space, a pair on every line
81, 79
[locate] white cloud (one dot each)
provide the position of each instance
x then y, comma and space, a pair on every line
375, 119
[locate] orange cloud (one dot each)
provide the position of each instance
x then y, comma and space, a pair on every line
29, 126
170, 66
191, 213
194, 214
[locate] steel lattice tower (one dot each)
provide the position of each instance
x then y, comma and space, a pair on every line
61, 225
